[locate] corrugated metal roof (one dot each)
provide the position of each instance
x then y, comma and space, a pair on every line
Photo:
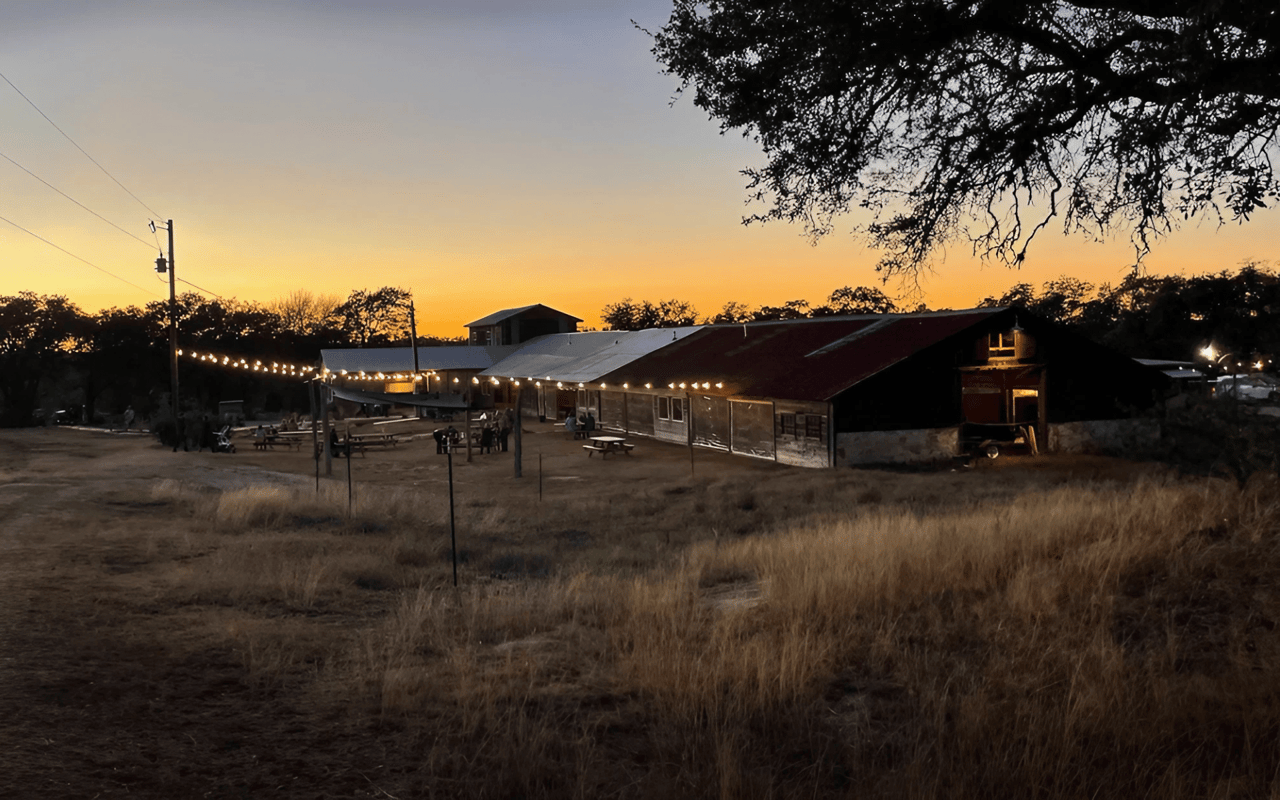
584, 357
499, 316
809, 359
400, 359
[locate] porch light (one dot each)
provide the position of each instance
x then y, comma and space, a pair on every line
648, 386
719, 385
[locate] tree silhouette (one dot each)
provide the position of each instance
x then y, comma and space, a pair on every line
374, 318
628, 315
990, 119
35, 333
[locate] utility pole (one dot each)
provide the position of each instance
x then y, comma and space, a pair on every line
413, 343
519, 425
162, 266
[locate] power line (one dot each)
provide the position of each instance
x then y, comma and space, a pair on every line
206, 291
78, 147
72, 199
76, 257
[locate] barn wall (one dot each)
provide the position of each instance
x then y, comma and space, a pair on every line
751, 425
897, 447
640, 414
711, 421
611, 406
672, 430
800, 433
1104, 436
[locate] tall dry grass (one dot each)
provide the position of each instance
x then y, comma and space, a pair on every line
890, 635
1052, 644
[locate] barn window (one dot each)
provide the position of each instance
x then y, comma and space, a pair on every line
664, 408
677, 409
814, 426
1002, 344
788, 424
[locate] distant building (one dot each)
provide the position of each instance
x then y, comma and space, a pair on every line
818, 392
852, 390
519, 325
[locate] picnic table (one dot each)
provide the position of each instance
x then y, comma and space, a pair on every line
361, 442
604, 445
290, 439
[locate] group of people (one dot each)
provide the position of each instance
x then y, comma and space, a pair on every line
495, 432
586, 425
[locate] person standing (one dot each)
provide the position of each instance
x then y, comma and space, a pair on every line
128, 417
504, 428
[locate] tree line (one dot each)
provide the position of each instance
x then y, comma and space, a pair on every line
1145, 316
53, 355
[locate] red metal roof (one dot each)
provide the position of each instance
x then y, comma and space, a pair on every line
809, 359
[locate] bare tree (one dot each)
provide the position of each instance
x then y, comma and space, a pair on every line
304, 312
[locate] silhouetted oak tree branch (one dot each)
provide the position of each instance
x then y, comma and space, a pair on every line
989, 119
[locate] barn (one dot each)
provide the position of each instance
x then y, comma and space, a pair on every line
810, 392
867, 389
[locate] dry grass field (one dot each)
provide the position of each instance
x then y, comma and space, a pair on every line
200, 625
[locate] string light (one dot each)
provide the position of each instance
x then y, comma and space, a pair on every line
257, 365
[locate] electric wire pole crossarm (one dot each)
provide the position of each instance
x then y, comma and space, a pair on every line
163, 266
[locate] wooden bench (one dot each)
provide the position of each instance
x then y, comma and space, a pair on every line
272, 441
595, 448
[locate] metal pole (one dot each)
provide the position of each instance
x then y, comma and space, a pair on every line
519, 423
325, 428
413, 345
539, 476
315, 432
688, 421
453, 536
173, 341
348, 437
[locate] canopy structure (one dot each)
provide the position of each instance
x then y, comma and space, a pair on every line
427, 400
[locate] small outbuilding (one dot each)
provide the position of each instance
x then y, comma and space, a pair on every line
518, 325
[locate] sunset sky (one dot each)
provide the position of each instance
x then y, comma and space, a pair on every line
484, 154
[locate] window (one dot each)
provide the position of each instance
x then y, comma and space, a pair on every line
1002, 344
677, 410
814, 426
788, 424
664, 408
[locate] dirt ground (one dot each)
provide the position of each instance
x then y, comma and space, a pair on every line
107, 691
108, 688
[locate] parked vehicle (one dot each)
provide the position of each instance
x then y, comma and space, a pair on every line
991, 440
